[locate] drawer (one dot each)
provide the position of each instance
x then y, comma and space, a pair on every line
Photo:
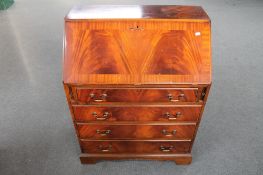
136, 131
134, 147
136, 95
83, 114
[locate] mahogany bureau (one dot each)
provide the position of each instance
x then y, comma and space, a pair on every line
137, 79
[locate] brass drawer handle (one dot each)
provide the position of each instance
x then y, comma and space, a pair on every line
101, 98
98, 100
179, 97
166, 148
105, 148
172, 116
105, 116
103, 132
169, 133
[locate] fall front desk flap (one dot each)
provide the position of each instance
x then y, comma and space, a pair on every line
137, 45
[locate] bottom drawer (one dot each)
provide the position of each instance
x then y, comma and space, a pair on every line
135, 146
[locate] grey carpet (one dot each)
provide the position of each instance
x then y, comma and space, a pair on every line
36, 132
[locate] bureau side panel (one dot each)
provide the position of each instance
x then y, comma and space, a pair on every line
68, 94
205, 97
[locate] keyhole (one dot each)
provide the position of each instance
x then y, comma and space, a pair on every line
136, 28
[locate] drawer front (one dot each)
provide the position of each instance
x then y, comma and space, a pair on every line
136, 95
134, 147
136, 131
136, 113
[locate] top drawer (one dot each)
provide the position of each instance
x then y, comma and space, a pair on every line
84, 95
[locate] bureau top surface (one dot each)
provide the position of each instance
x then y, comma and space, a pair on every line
137, 12
132, 51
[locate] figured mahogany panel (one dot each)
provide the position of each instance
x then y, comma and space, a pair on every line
136, 52
84, 114
107, 147
119, 52
137, 95
87, 131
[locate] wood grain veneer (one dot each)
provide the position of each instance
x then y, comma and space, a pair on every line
86, 114
136, 131
137, 95
137, 82
136, 147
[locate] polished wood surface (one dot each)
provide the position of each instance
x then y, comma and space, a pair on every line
136, 131
106, 57
179, 159
137, 83
137, 95
135, 51
173, 114
137, 12
108, 147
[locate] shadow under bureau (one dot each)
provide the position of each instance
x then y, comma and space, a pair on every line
137, 79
